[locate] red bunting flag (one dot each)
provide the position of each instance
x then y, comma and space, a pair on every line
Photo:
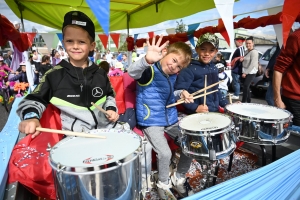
30, 38
151, 34
290, 11
104, 40
115, 37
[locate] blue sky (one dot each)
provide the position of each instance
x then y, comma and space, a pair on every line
240, 7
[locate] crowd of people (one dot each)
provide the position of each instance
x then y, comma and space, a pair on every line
164, 75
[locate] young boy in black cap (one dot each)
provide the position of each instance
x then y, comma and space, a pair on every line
192, 78
72, 85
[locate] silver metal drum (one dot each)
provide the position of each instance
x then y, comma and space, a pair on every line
260, 124
92, 168
203, 133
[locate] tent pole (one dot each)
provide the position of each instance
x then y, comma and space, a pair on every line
20, 7
128, 19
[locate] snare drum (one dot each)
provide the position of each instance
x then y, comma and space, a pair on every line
92, 168
204, 131
260, 124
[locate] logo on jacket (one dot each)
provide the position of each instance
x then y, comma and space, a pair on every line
97, 92
98, 160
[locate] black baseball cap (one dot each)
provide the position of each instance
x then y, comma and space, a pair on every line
80, 19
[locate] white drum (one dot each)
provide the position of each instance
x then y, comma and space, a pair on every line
203, 133
260, 124
92, 168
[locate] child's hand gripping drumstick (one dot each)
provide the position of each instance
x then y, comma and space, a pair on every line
111, 115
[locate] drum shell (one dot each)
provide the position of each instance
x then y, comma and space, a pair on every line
261, 131
116, 182
194, 144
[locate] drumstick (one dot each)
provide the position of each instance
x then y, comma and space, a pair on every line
201, 90
101, 109
230, 99
48, 130
196, 97
205, 83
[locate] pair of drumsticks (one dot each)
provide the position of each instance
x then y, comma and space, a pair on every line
180, 101
48, 130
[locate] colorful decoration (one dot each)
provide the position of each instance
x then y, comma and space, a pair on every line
104, 39
115, 37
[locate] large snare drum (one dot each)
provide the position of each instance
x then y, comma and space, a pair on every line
91, 168
260, 124
204, 131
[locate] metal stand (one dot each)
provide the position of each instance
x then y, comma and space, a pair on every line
263, 155
216, 174
230, 162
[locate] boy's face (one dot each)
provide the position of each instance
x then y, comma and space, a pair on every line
172, 63
77, 45
206, 52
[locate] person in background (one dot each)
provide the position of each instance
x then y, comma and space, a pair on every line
286, 76
4, 69
105, 66
108, 56
98, 58
220, 59
124, 62
236, 70
55, 57
269, 76
36, 56
119, 57
250, 67
223, 86
44, 66
7, 58
113, 61
21, 77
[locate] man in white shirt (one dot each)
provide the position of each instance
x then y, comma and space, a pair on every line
108, 56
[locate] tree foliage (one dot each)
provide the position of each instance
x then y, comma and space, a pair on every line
180, 28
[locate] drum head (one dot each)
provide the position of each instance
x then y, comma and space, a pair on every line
258, 111
205, 122
88, 152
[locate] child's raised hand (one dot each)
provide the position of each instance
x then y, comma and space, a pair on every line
202, 108
155, 51
28, 126
112, 116
187, 97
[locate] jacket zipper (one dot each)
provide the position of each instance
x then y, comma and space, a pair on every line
166, 113
73, 124
86, 99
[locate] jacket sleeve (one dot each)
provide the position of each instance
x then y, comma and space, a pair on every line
38, 100
7, 68
15, 78
289, 54
183, 82
136, 69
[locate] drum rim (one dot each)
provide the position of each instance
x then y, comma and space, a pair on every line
100, 167
245, 117
207, 132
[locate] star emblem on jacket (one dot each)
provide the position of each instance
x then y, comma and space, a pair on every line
97, 92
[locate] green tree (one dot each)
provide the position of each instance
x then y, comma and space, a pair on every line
180, 28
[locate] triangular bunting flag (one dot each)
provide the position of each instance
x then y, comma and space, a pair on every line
115, 37
225, 9
135, 37
101, 10
151, 34
191, 39
48, 39
193, 27
30, 38
290, 12
60, 37
104, 39
277, 27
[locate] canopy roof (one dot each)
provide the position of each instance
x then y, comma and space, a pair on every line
140, 13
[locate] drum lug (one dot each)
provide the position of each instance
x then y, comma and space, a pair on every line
257, 129
48, 147
60, 168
